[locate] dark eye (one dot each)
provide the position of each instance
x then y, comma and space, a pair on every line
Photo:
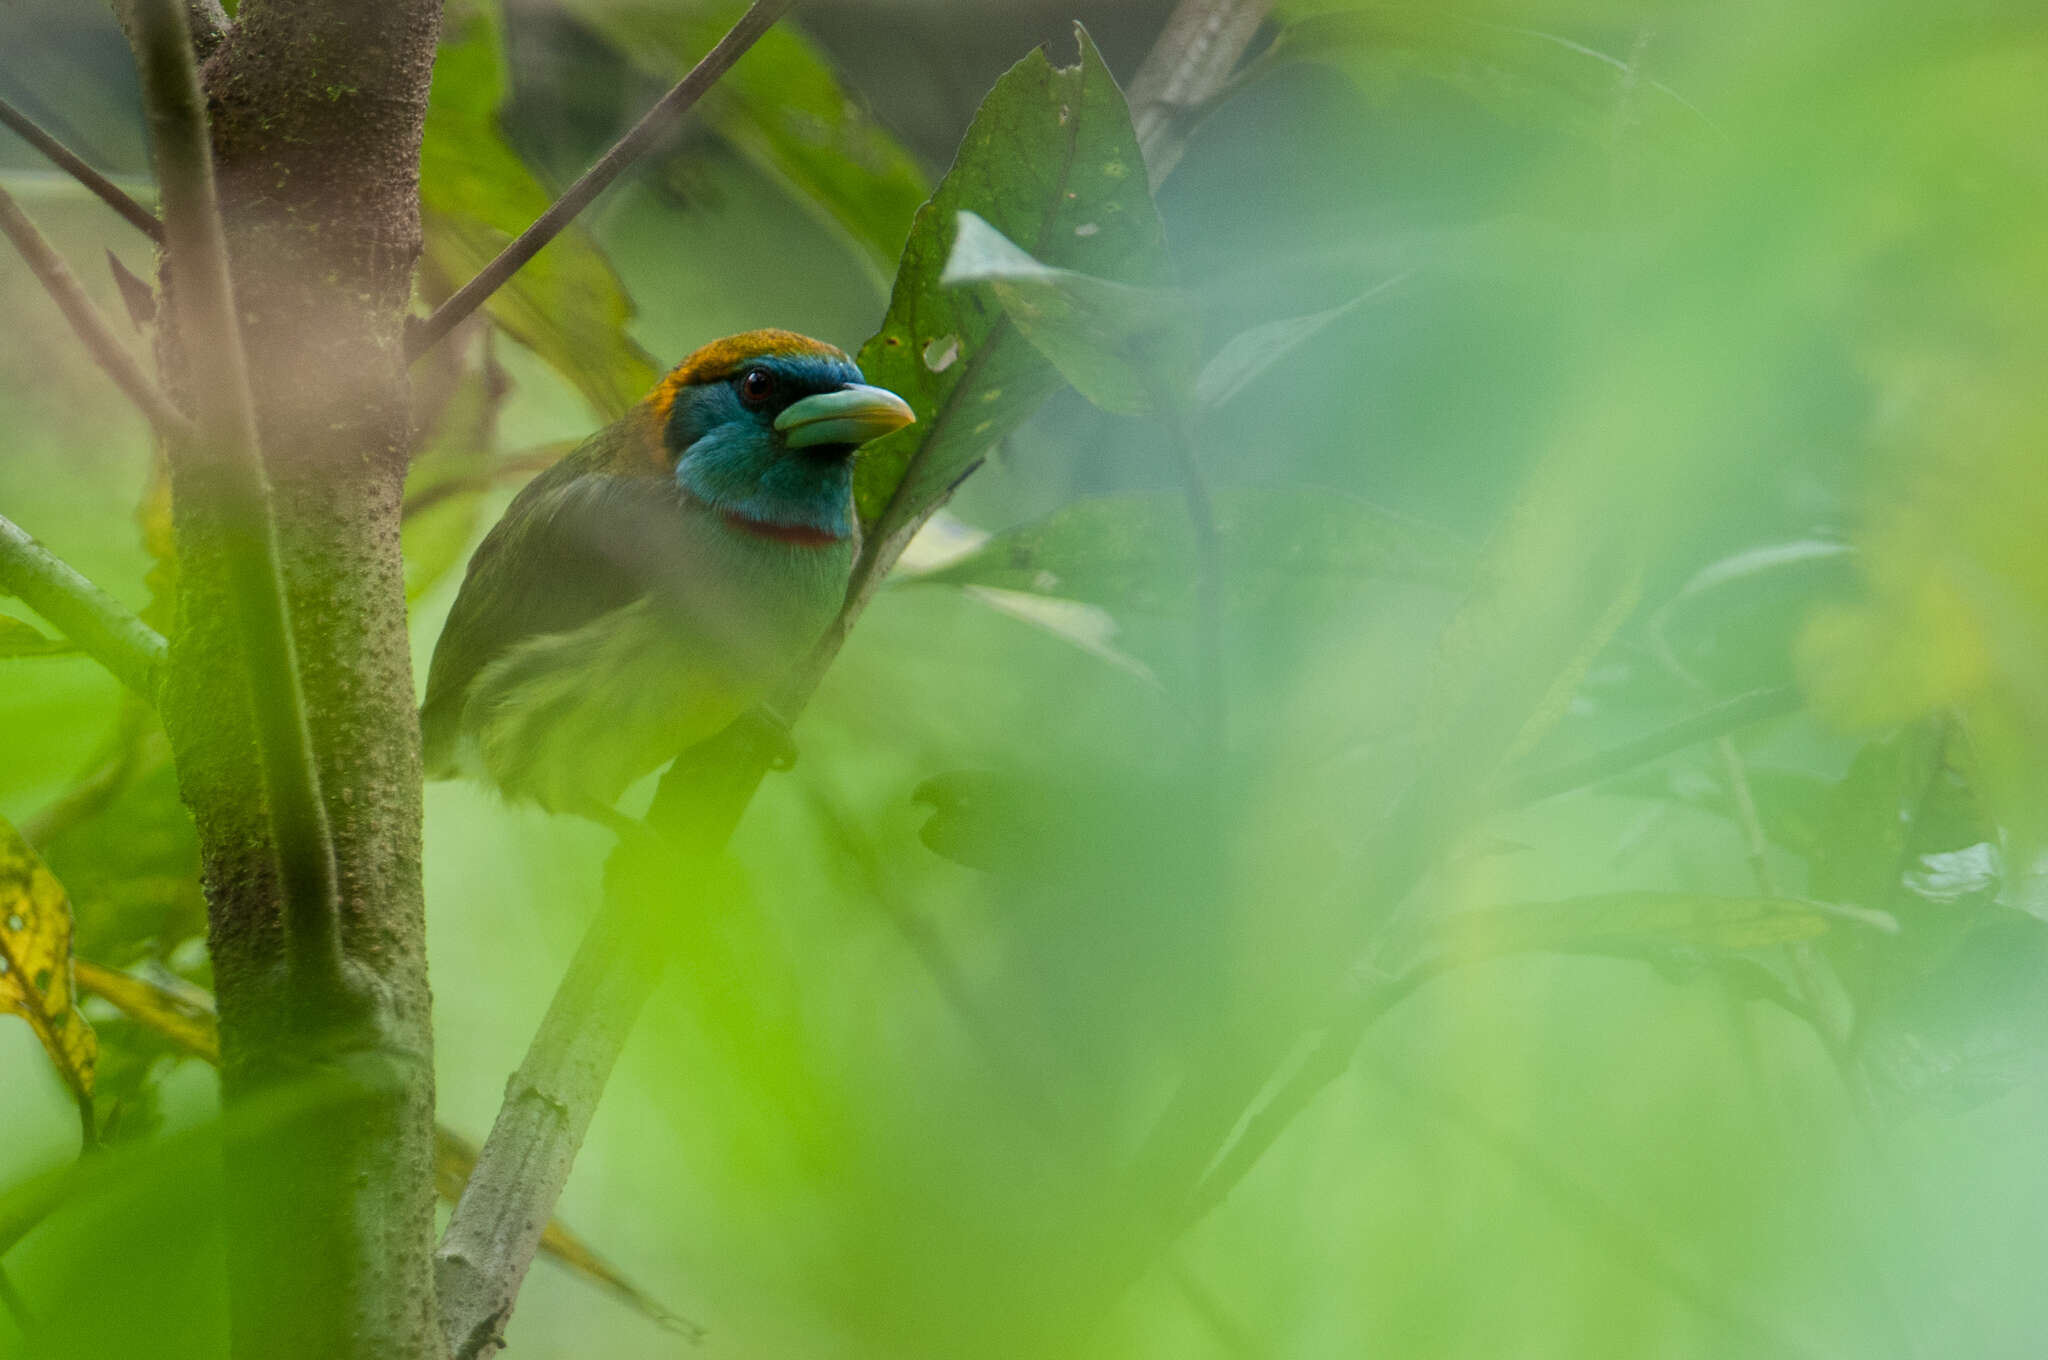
756, 386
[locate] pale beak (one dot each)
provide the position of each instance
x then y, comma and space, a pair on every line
854, 414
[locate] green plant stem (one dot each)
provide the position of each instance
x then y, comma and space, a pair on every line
86, 321
1211, 682
1741, 711
657, 121
226, 448
1601, 1223
17, 1307
72, 164
129, 648
1032, 1097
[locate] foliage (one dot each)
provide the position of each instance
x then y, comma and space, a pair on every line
1548, 373
35, 961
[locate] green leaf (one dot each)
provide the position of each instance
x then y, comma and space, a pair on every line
784, 110
566, 304
1129, 350
1251, 352
1790, 804
1871, 814
1522, 74
1662, 926
1135, 551
1050, 160
18, 638
445, 486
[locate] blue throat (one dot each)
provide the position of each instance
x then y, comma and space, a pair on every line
732, 460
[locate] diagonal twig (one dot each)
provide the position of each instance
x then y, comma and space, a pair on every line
660, 119
84, 613
72, 164
1724, 717
226, 449
63, 287
1192, 60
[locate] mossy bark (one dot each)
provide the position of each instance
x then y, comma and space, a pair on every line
316, 111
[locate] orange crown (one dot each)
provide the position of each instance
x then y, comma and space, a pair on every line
721, 359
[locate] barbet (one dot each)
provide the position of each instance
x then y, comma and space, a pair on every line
649, 588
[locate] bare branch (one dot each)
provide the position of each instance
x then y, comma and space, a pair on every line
654, 874
498, 1222
227, 453
129, 648
72, 164
1187, 66
638, 139
87, 323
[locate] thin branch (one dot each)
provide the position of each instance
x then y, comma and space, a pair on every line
84, 613
657, 872
227, 453
63, 287
72, 164
1192, 60
1212, 690
1741, 711
497, 1225
1329, 1060
659, 120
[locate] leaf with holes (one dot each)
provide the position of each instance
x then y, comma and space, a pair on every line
1051, 162
35, 960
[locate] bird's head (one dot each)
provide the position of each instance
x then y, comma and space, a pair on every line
762, 427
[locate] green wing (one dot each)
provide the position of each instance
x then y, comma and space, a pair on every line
575, 544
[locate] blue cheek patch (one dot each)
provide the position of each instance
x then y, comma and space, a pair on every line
740, 468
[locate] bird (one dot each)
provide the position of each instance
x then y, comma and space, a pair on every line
650, 588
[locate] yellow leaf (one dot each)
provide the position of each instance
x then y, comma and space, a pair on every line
188, 1022
35, 960
184, 1021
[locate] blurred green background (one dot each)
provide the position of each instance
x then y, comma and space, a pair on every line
1706, 357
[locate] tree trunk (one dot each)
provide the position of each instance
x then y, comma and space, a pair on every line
316, 112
